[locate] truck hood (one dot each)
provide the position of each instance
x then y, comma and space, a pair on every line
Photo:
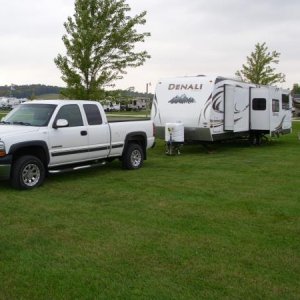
9, 130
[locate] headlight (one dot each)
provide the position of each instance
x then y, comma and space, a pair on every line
2, 149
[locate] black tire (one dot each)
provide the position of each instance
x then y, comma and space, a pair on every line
28, 172
256, 139
133, 157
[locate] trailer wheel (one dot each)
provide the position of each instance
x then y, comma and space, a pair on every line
27, 172
133, 157
256, 139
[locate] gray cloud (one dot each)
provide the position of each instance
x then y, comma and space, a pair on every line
191, 37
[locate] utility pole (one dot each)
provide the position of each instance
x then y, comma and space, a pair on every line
147, 86
12, 88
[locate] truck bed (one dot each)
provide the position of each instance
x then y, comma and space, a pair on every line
113, 119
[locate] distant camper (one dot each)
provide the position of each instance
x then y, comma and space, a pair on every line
10, 102
138, 104
213, 108
296, 104
110, 106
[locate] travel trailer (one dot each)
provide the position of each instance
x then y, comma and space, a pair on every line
213, 108
138, 104
111, 106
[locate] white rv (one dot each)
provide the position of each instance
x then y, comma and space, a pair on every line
10, 103
110, 106
218, 108
138, 104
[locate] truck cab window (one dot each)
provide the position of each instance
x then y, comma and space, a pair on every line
259, 104
71, 113
92, 114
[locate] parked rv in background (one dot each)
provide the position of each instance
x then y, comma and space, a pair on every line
10, 103
213, 108
138, 104
111, 106
134, 104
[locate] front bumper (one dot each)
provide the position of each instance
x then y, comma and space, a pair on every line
5, 167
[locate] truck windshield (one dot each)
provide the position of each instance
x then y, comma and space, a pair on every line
30, 114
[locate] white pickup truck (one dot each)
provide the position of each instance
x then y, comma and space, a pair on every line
51, 136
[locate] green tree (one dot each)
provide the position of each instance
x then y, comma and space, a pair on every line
258, 68
100, 44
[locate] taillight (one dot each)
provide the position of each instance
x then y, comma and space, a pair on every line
154, 130
2, 149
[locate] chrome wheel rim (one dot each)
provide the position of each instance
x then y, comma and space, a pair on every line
136, 158
31, 174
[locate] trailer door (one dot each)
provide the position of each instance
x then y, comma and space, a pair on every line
260, 109
229, 108
236, 114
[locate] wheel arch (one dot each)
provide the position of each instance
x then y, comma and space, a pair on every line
138, 137
36, 148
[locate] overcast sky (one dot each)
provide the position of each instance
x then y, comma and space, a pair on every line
187, 38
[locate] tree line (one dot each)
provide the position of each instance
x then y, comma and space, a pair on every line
34, 91
28, 91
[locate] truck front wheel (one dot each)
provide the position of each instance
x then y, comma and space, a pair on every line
133, 157
27, 172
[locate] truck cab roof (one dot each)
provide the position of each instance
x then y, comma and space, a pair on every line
59, 101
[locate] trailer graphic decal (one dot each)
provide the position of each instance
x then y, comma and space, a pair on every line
238, 119
279, 128
216, 123
183, 99
236, 111
155, 104
206, 106
217, 100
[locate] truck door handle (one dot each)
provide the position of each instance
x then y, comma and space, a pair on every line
83, 132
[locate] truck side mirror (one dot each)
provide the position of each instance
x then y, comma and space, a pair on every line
60, 123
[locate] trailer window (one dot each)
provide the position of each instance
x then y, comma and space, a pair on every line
275, 105
285, 102
92, 114
259, 104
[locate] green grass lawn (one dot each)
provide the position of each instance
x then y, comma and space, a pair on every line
224, 225
3, 113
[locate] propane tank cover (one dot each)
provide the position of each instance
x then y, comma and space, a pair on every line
174, 132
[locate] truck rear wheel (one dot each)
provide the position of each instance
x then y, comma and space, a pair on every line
27, 172
133, 158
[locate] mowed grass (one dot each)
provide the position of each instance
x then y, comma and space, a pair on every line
3, 113
224, 225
